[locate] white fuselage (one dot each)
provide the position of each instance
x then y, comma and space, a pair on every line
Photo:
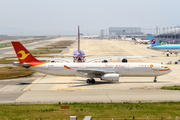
87, 69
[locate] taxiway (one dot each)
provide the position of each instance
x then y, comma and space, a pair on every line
47, 89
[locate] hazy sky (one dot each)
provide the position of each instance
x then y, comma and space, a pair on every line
52, 17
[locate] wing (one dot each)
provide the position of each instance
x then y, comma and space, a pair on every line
50, 59
94, 54
113, 57
62, 55
94, 71
56, 59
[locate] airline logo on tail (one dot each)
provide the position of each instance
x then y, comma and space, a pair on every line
22, 55
153, 41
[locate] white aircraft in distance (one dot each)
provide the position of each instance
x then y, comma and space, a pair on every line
90, 36
104, 71
142, 41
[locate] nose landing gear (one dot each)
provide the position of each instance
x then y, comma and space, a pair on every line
155, 79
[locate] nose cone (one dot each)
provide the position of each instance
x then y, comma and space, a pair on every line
169, 71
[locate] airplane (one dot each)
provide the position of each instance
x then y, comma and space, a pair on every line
79, 56
155, 45
104, 71
142, 41
90, 36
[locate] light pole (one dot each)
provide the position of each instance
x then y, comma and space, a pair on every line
106, 33
167, 32
175, 33
164, 33
159, 32
171, 32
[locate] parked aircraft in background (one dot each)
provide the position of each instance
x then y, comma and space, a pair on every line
155, 45
90, 36
104, 71
142, 41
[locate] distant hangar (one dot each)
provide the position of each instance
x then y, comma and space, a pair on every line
125, 30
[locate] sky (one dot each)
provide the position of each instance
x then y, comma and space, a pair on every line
54, 17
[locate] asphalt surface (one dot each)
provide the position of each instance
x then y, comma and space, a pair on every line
47, 89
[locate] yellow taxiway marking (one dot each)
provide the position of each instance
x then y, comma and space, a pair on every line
73, 83
60, 89
68, 90
81, 89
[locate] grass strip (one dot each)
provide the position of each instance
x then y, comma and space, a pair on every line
14, 72
44, 51
4, 61
58, 45
99, 111
175, 87
8, 44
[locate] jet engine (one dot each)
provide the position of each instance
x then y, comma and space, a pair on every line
124, 60
110, 77
104, 61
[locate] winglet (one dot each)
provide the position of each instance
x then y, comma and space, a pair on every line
22, 53
152, 40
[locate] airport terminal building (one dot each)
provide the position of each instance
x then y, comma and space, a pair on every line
125, 30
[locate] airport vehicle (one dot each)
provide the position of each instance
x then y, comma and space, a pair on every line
155, 45
104, 71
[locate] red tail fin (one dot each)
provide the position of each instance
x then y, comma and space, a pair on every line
22, 53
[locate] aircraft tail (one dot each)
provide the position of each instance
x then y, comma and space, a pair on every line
152, 40
78, 39
23, 54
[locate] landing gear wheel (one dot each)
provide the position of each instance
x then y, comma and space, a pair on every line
88, 81
167, 55
93, 81
155, 79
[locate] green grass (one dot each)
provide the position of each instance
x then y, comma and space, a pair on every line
14, 72
175, 87
4, 61
51, 47
44, 51
8, 44
99, 111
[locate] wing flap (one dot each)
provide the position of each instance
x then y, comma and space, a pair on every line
94, 71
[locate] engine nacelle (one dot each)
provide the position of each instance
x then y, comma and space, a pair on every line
124, 60
110, 77
104, 61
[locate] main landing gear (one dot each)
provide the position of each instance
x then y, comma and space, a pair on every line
167, 53
90, 81
155, 79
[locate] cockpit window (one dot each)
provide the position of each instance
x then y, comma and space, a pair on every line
165, 67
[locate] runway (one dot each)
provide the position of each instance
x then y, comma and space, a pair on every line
47, 89
9, 51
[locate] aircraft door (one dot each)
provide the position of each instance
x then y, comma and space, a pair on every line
81, 66
127, 67
43, 67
